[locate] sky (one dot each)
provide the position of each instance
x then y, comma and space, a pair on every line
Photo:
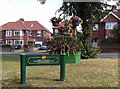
30, 10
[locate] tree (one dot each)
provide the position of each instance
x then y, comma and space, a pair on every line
116, 32
88, 12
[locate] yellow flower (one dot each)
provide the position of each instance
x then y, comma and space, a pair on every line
81, 21
43, 57
69, 31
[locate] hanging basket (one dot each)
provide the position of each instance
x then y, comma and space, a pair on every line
55, 23
75, 22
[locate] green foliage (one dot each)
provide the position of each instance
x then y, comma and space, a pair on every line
63, 44
88, 12
87, 51
109, 41
116, 36
26, 46
6, 45
116, 32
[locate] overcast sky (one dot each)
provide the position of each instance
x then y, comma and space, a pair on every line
30, 10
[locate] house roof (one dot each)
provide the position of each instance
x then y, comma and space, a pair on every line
115, 14
13, 26
113, 11
23, 25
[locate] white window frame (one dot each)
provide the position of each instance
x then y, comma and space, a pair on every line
9, 42
110, 25
22, 42
30, 33
8, 32
20, 33
39, 33
15, 41
95, 28
19, 42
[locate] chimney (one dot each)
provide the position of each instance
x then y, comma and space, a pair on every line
22, 19
114, 8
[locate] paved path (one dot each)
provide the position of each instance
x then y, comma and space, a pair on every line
100, 55
18, 53
109, 55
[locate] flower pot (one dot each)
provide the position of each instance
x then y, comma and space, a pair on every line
55, 23
75, 22
73, 58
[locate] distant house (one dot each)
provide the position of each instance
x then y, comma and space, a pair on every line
23, 32
103, 28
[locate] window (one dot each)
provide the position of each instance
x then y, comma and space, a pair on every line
9, 42
32, 25
110, 25
20, 42
30, 33
39, 33
95, 27
8, 33
18, 33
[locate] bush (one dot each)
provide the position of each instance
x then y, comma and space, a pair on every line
6, 45
109, 41
26, 46
88, 51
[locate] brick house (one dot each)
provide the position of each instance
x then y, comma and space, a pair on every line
23, 32
103, 28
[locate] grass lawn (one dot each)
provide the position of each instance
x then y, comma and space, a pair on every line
88, 73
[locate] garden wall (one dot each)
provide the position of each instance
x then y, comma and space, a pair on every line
110, 48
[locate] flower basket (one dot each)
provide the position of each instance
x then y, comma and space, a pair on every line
75, 22
73, 58
55, 23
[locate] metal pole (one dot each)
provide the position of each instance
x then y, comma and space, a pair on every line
23, 68
62, 68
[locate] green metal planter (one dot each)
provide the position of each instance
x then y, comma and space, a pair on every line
73, 58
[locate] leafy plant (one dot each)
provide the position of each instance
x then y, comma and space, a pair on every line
116, 32
63, 44
6, 45
88, 51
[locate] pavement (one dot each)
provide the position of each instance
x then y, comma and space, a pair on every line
109, 55
18, 52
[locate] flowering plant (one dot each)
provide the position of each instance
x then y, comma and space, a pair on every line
76, 18
55, 19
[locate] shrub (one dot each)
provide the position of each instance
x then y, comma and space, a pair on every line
109, 41
88, 51
6, 45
